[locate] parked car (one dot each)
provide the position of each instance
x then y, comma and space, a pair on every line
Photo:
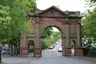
51, 47
54, 45
4, 51
60, 49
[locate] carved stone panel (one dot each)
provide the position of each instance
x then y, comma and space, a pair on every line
53, 13
72, 30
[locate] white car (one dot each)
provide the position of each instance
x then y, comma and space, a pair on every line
51, 47
60, 49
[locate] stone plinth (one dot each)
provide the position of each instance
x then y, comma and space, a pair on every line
24, 52
37, 51
79, 51
68, 51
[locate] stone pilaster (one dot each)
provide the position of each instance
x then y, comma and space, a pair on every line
37, 45
67, 49
37, 49
63, 45
78, 35
23, 45
79, 49
67, 35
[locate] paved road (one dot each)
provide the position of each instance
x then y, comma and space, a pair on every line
63, 60
49, 57
49, 60
52, 56
52, 52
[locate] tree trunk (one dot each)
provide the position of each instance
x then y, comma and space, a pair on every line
11, 49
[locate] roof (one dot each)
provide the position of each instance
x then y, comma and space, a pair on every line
65, 13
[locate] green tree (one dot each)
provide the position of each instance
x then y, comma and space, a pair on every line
4, 24
13, 18
18, 10
56, 36
89, 29
50, 39
89, 23
46, 32
5, 21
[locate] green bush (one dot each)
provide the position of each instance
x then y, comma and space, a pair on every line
85, 51
92, 52
44, 44
89, 51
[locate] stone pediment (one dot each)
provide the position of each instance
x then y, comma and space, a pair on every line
52, 11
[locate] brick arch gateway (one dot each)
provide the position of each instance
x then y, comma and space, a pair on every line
66, 21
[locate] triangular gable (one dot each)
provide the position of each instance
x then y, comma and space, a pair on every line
54, 11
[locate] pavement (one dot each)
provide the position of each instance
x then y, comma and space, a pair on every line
49, 56
63, 60
49, 60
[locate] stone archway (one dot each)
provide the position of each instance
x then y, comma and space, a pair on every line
60, 30
66, 21
31, 46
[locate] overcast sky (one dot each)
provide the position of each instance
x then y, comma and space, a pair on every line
70, 5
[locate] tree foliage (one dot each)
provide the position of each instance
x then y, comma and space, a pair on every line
46, 32
14, 12
93, 1
89, 24
89, 29
50, 40
4, 22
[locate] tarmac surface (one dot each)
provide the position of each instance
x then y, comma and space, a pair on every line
49, 56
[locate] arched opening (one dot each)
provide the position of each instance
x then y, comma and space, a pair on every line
31, 47
73, 47
51, 41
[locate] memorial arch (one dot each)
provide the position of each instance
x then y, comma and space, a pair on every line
68, 22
